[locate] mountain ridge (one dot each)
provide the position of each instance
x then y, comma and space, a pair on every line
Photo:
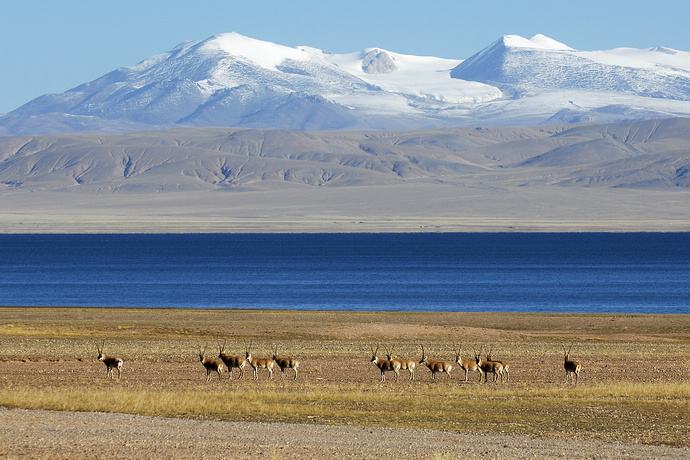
649, 154
232, 80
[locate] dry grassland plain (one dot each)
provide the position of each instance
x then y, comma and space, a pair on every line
634, 386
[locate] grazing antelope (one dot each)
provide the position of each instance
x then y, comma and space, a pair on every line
436, 366
231, 361
258, 363
571, 367
489, 367
211, 365
505, 367
284, 363
469, 364
384, 365
110, 362
405, 364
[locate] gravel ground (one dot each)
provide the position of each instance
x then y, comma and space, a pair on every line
47, 434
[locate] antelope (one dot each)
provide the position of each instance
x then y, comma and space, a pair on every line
258, 363
505, 371
469, 364
211, 365
405, 364
231, 361
436, 366
571, 367
384, 365
489, 367
284, 363
110, 362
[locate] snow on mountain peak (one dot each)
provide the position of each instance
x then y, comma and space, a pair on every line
234, 80
539, 41
266, 54
549, 43
664, 50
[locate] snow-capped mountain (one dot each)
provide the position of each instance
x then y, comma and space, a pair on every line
233, 80
540, 63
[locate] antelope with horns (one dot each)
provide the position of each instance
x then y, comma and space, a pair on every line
489, 367
436, 366
571, 367
231, 361
211, 365
110, 362
469, 364
284, 362
505, 367
258, 363
405, 364
384, 365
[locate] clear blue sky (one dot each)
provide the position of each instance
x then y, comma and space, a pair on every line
50, 45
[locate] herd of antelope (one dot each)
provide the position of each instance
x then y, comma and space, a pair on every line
498, 369
231, 362
482, 366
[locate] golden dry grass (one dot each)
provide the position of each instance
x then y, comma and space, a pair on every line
602, 410
634, 382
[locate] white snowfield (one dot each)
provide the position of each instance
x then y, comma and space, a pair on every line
539, 41
233, 80
422, 77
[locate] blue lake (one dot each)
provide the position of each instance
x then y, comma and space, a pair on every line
588, 272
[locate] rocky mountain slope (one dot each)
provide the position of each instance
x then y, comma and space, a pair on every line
651, 154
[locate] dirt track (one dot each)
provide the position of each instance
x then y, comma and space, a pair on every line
46, 434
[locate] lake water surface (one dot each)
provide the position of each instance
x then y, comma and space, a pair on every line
589, 272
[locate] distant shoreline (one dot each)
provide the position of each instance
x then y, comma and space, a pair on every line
342, 311
309, 227
320, 311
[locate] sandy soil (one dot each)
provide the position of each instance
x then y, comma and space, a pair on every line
45, 434
413, 207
